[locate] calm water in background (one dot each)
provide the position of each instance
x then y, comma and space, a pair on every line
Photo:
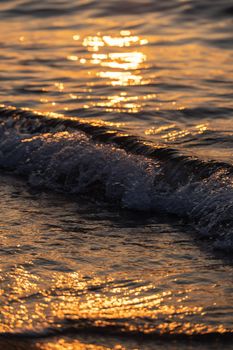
71, 267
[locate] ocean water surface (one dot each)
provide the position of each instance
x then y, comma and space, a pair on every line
116, 145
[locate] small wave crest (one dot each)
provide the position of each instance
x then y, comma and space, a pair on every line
76, 157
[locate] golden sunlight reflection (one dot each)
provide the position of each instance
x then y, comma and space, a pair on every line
98, 302
172, 132
117, 60
110, 59
122, 63
131, 60
121, 78
119, 103
125, 39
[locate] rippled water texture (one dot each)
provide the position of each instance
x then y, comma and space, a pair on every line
164, 69
69, 268
131, 248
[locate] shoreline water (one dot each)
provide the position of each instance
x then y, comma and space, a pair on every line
116, 227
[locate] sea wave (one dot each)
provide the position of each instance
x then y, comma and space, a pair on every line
73, 156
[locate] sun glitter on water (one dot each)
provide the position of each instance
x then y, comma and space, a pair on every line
118, 61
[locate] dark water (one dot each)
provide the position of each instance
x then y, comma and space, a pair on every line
121, 237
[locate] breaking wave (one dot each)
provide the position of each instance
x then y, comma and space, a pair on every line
73, 156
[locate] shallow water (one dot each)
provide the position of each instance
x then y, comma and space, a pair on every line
122, 238
69, 268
